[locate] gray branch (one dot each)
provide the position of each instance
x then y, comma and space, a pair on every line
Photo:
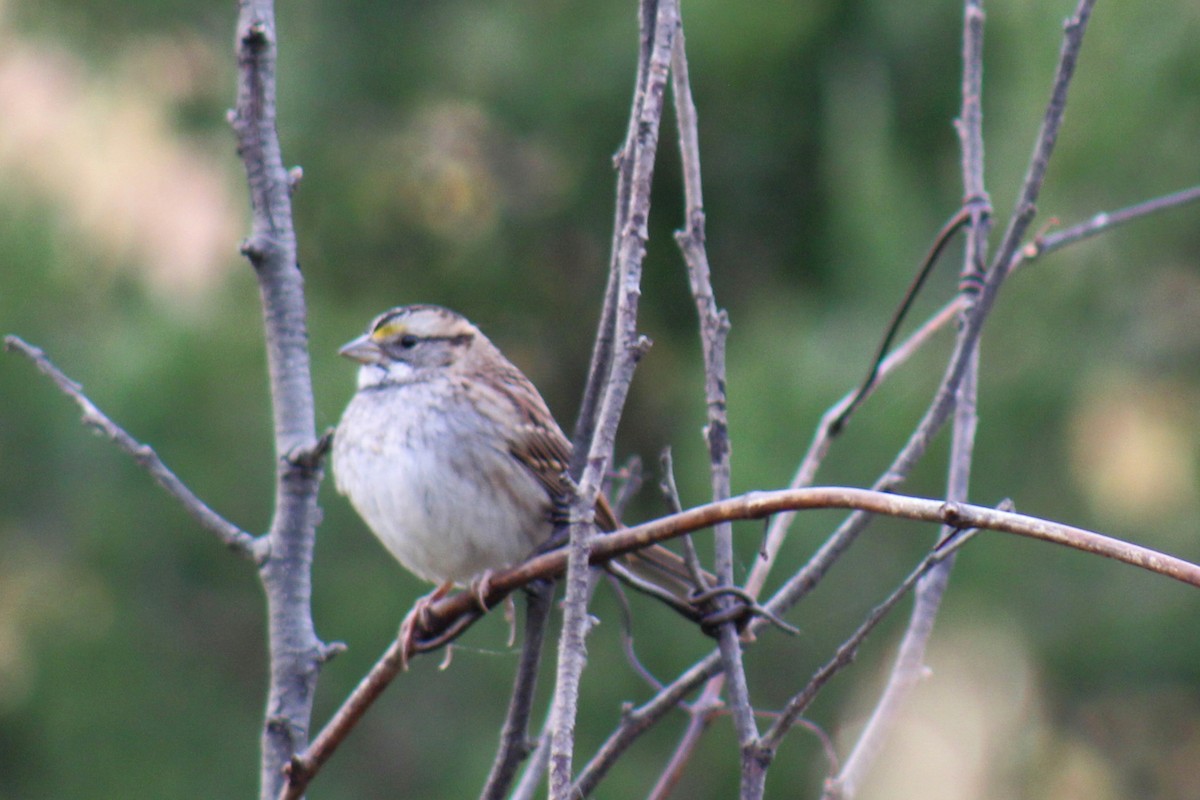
232, 536
295, 652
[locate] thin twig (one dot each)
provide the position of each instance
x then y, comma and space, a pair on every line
908, 665
641, 719
1035, 175
701, 716
535, 769
845, 654
658, 30
960, 218
670, 493
230, 535
605, 345
714, 329
514, 734
1104, 221
819, 447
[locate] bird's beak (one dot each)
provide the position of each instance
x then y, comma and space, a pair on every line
364, 350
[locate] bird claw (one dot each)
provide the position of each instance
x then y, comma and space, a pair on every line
479, 589
418, 618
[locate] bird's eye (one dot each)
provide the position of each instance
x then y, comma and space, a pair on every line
408, 341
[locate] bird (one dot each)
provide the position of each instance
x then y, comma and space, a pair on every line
449, 454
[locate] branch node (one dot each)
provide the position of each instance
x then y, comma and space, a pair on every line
331, 651
309, 457
951, 514
254, 250
294, 176
641, 347
256, 35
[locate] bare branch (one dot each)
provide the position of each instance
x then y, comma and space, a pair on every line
714, 329
1104, 221
641, 719
952, 226
1035, 176
819, 447
702, 714
846, 652
296, 653
230, 535
304, 766
659, 22
910, 657
514, 736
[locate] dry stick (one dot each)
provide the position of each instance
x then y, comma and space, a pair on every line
231, 536
714, 329
822, 439
1035, 176
846, 652
602, 351
530, 784
296, 653
908, 666
514, 736
513, 749
639, 720
960, 218
628, 348
701, 714
1106, 220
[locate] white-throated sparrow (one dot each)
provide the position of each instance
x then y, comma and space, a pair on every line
449, 453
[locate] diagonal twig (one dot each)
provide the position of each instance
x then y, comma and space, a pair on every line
714, 330
1106, 220
232, 536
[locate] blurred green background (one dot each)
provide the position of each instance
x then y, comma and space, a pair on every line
459, 152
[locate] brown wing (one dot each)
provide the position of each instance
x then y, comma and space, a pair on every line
544, 449
537, 441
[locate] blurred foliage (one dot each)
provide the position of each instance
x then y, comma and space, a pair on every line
459, 152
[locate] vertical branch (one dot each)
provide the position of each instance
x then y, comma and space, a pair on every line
623, 161
930, 588
514, 737
295, 650
659, 20
714, 329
